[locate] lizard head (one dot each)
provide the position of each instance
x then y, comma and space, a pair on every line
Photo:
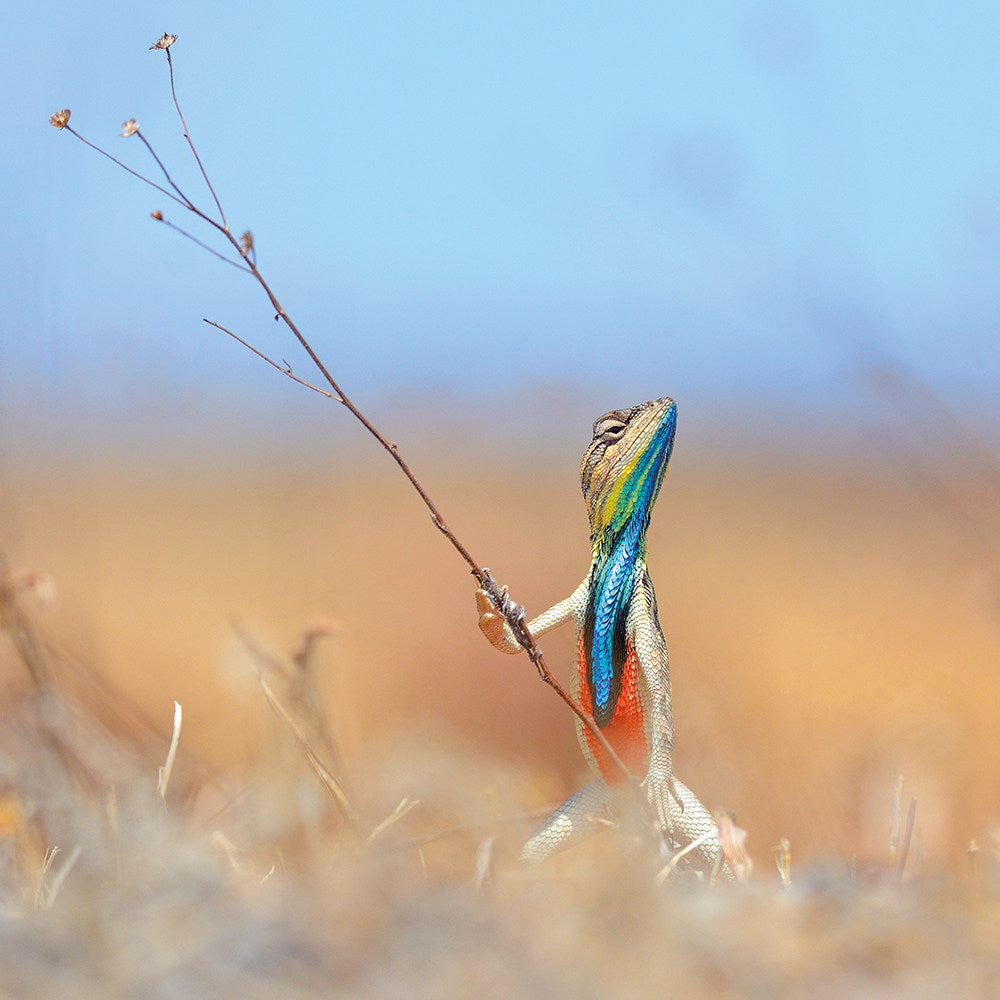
624, 466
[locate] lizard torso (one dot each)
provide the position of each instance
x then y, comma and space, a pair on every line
625, 728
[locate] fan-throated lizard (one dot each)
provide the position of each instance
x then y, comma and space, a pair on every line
622, 677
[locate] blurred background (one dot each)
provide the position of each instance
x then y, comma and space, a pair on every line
494, 225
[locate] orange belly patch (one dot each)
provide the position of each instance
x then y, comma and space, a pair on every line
625, 732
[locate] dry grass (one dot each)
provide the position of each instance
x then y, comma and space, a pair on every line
342, 820
824, 631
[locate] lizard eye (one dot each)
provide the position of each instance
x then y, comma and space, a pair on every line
610, 431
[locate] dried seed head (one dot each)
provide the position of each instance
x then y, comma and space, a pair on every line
129, 128
164, 41
60, 119
246, 242
158, 215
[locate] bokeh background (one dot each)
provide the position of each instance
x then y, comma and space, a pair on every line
494, 225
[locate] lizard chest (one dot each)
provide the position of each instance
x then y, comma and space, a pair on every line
625, 730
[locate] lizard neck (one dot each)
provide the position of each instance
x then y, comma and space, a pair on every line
615, 571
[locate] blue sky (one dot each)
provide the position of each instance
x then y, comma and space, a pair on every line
722, 201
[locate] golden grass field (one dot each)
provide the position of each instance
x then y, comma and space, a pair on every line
827, 629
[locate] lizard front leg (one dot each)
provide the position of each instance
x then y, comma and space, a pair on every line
497, 629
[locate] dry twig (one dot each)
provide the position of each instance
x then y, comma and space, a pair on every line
246, 254
333, 784
164, 776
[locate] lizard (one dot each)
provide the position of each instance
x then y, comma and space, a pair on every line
622, 677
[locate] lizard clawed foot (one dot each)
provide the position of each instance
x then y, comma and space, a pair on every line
493, 624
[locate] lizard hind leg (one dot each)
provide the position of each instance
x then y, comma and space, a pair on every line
572, 820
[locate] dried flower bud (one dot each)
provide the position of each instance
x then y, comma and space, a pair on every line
129, 128
158, 215
60, 119
164, 41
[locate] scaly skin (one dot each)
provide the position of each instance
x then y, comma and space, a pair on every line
622, 676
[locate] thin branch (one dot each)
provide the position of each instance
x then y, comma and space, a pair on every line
186, 200
218, 204
129, 170
183, 199
513, 613
342, 398
204, 246
264, 357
